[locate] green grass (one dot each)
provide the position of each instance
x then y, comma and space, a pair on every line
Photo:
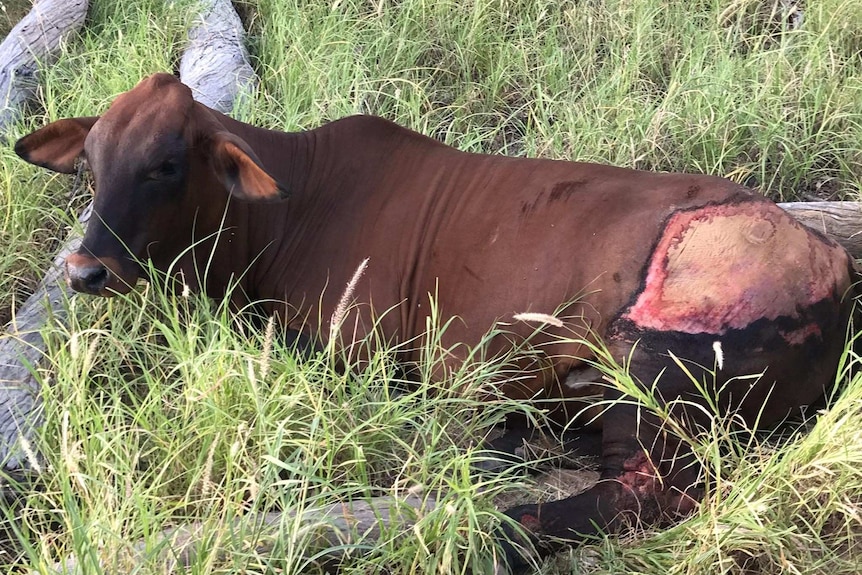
164, 410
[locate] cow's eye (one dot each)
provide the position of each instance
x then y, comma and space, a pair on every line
167, 170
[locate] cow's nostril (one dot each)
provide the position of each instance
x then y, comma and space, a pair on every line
90, 279
96, 279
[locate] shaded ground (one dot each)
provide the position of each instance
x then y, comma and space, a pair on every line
557, 473
11, 11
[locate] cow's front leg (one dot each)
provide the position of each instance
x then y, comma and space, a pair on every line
648, 475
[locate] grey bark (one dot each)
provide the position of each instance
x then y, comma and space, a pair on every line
215, 63
33, 42
842, 221
22, 348
327, 534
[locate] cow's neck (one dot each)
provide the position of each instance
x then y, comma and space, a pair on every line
294, 250
251, 247
285, 155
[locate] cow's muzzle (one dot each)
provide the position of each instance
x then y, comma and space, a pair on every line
97, 276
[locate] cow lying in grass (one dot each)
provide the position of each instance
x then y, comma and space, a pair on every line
655, 266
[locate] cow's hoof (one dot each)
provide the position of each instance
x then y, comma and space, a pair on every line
519, 543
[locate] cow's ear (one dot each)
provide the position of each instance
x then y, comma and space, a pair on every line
57, 145
238, 168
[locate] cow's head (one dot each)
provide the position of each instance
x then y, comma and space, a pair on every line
163, 165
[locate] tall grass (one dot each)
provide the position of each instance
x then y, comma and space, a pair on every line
163, 409
687, 86
226, 423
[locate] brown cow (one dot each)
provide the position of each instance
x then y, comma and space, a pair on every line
689, 264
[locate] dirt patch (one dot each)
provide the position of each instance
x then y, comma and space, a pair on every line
821, 190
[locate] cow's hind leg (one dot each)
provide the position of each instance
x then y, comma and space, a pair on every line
570, 431
647, 476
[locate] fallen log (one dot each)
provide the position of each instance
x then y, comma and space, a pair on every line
328, 535
215, 63
32, 43
841, 221
22, 348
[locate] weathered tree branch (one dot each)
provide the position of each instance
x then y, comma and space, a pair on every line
841, 221
215, 63
33, 42
326, 532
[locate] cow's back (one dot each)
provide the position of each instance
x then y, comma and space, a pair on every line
534, 234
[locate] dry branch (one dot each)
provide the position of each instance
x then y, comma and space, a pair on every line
327, 534
842, 221
215, 63
33, 42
